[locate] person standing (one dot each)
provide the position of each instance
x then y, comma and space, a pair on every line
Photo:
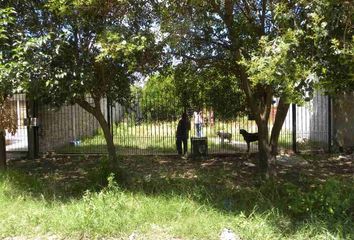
198, 123
182, 134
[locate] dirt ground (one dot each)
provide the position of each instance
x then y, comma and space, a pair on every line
239, 169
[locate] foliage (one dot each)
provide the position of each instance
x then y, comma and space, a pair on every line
209, 89
167, 94
8, 118
277, 63
274, 52
6, 54
93, 49
11, 65
331, 25
324, 199
159, 98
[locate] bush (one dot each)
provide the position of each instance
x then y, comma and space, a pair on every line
332, 199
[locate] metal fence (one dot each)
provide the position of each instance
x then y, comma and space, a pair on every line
149, 126
19, 141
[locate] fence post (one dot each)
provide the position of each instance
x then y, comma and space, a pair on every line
109, 115
33, 137
293, 106
329, 124
2, 149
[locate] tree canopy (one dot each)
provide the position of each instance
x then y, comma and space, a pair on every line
10, 54
159, 97
8, 80
166, 94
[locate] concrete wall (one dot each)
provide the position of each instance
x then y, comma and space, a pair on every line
311, 120
60, 126
343, 120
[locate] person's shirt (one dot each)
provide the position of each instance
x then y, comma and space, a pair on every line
197, 118
183, 128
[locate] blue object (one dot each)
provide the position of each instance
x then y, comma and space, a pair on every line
75, 142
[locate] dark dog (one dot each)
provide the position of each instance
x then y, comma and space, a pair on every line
249, 137
224, 135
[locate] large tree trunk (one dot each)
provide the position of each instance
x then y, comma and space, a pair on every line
280, 116
97, 113
2, 150
108, 137
263, 148
261, 112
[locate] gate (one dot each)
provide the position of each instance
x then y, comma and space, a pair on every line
18, 143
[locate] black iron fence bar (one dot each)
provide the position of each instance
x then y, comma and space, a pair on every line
293, 110
19, 141
329, 124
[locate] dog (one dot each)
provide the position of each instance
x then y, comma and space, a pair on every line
224, 135
249, 137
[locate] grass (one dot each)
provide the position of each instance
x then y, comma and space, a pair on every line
166, 198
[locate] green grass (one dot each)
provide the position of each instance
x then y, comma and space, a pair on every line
158, 204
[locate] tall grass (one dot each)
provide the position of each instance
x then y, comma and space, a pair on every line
167, 208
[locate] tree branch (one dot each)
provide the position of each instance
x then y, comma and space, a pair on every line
268, 102
246, 11
282, 111
228, 16
246, 14
245, 84
263, 17
199, 59
216, 7
85, 105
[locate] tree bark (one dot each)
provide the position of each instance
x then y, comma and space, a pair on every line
263, 148
262, 113
108, 137
282, 111
2, 150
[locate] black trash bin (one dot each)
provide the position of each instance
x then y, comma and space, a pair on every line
199, 146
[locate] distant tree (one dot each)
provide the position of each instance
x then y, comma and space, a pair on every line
167, 94
198, 88
159, 97
332, 28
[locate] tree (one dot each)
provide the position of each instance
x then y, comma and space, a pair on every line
159, 99
269, 47
172, 91
198, 88
10, 65
86, 51
334, 42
